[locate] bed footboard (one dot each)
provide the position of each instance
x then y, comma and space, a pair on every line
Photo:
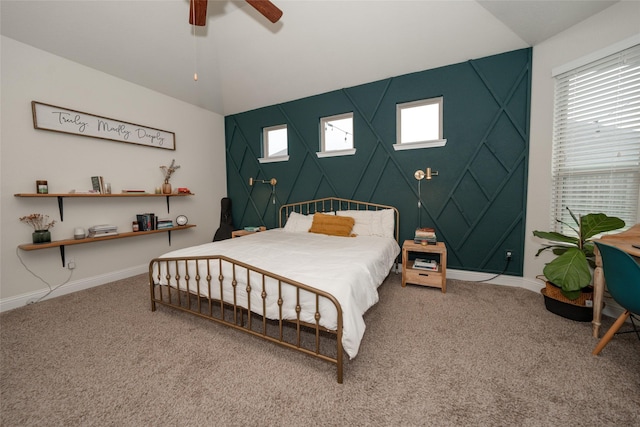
252, 300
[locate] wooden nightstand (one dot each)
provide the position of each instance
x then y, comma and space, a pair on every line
436, 279
239, 233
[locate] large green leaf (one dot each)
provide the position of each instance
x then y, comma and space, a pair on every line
593, 224
556, 237
570, 271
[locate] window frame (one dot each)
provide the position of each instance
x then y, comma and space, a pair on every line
439, 142
266, 158
323, 128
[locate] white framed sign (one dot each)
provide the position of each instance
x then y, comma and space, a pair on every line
59, 119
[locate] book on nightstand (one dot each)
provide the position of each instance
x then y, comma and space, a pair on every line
425, 236
425, 264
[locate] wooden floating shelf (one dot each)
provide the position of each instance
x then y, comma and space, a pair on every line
61, 196
102, 195
68, 242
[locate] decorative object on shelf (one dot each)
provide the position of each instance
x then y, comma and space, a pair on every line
41, 236
182, 220
79, 233
168, 171
41, 225
97, 183
64, 120
427, 174
42, 187
569, 275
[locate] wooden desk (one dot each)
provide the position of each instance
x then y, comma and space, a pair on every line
622, 241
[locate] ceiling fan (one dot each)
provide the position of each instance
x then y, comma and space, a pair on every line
198, 11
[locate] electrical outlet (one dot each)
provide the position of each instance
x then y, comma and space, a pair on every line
71, 264
508, 254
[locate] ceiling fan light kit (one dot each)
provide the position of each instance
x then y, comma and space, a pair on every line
198, 11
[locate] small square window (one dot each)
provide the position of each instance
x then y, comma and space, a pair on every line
275, 144
419, 124
336, 135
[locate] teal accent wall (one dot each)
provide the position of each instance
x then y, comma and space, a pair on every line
477, 203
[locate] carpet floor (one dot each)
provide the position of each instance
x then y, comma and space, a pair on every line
480, 354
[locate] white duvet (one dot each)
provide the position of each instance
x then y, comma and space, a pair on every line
349, 268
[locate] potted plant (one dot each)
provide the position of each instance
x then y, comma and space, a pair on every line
569, 275
168, 171
41, 226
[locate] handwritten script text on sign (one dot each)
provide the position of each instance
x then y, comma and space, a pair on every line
58, 119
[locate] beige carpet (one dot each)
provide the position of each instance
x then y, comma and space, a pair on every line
478, 355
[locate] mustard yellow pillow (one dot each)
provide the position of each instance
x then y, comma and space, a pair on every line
332, 225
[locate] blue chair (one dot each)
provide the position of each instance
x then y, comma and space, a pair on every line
622, 275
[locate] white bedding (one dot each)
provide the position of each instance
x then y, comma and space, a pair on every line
349, 268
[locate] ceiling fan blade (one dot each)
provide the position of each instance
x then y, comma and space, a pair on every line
267, 9
198, 12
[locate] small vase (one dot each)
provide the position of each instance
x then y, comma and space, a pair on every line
166, 188
41, 236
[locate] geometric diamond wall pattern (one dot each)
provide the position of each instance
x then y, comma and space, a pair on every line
476, 203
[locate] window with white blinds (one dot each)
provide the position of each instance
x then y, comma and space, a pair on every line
596, 139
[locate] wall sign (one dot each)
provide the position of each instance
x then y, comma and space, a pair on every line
64, 120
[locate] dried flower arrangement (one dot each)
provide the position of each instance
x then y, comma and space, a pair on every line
38, 221
169, 170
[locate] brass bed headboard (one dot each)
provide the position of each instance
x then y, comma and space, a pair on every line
332, 204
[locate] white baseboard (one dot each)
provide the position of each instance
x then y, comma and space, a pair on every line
74, 286
504, 280
611, 309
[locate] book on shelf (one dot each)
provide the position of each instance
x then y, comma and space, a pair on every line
102, 230
147, 221
425, 264
164, 223
102, 234
97, 182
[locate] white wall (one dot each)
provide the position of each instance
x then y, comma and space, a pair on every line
616, 23
68, 162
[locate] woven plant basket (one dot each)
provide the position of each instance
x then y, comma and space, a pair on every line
554, 292
576, 309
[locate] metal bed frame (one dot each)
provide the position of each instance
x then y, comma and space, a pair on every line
308, 338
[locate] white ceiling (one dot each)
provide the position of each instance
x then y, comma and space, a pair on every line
245, 62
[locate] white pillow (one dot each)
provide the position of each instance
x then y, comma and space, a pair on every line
372, 223
300, 223
388, 223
